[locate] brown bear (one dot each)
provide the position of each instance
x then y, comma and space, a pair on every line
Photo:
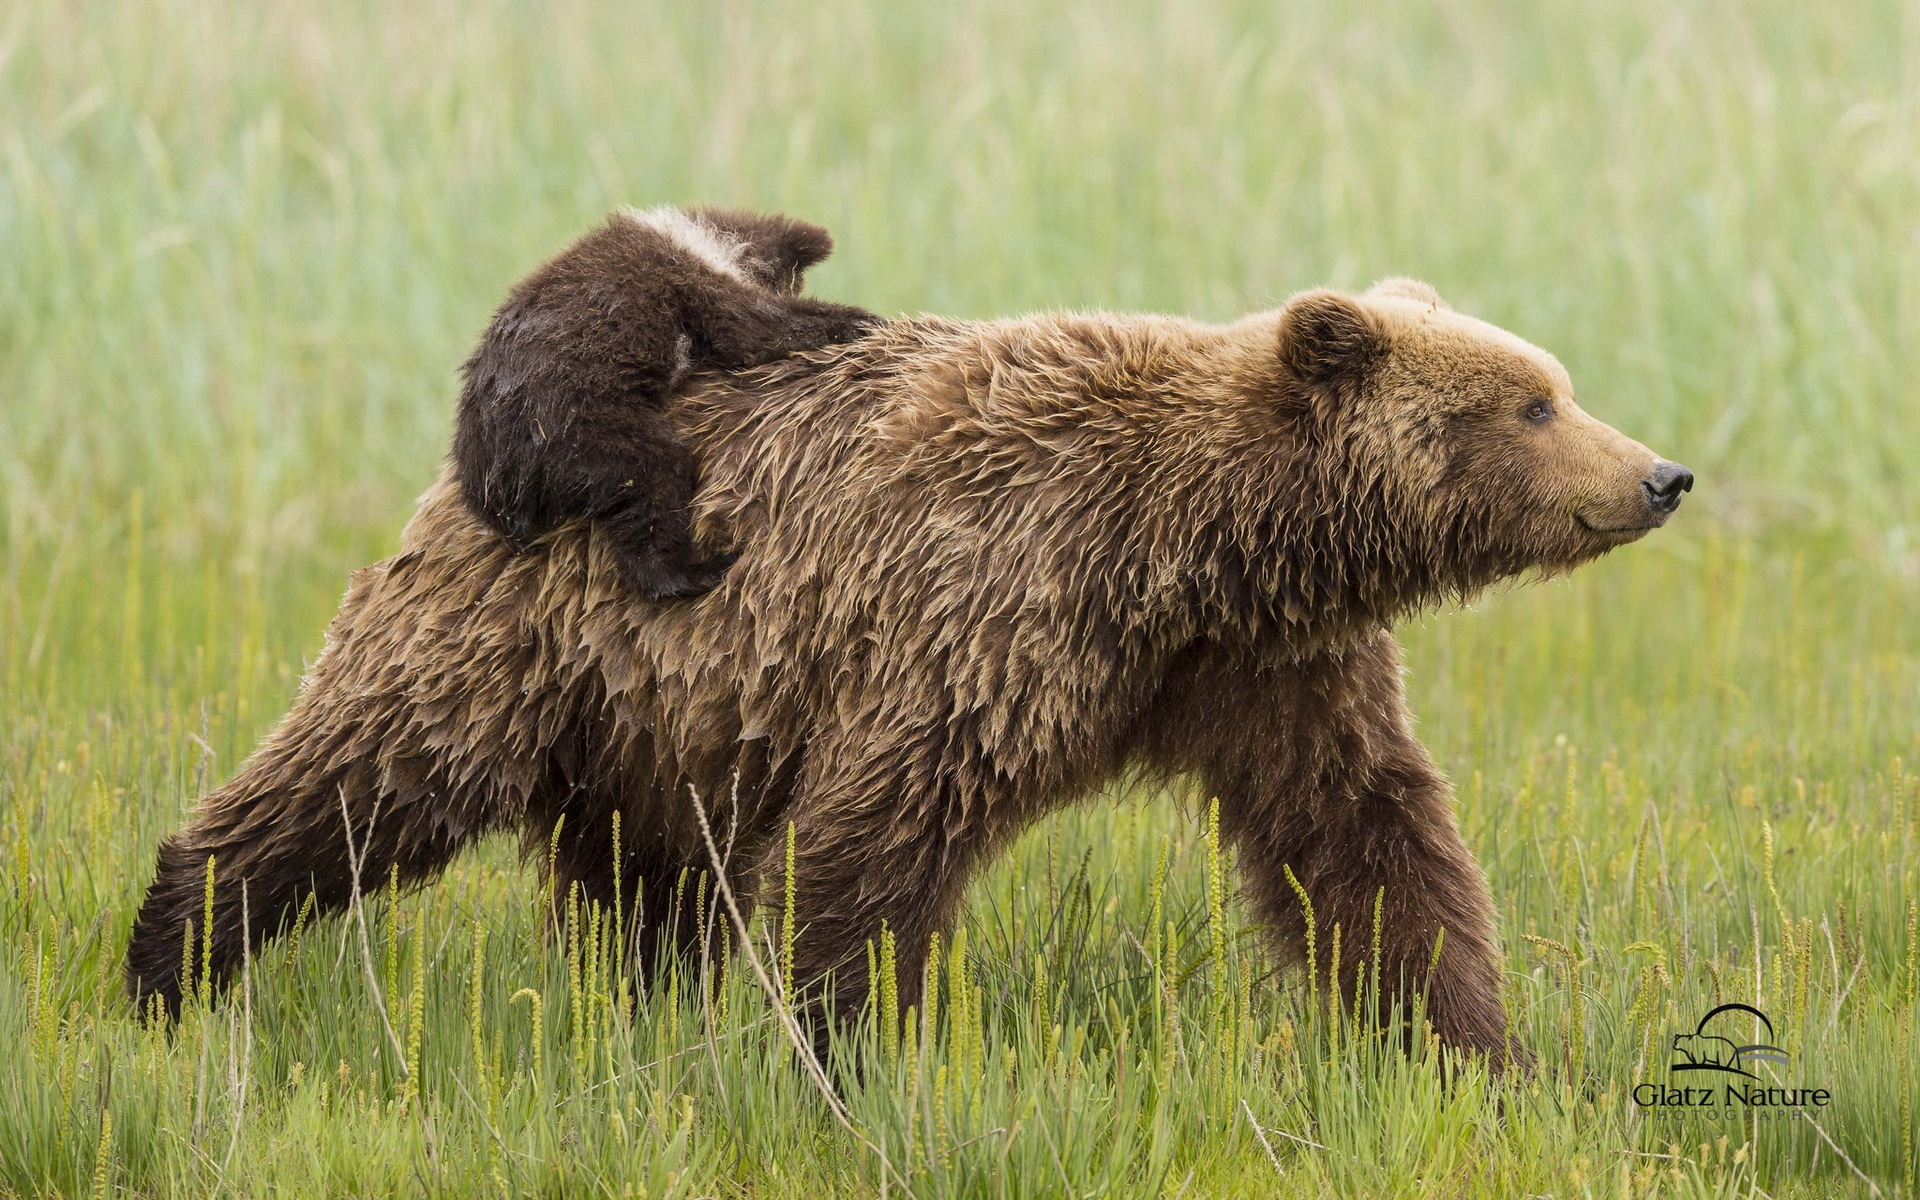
563, 412
984, 568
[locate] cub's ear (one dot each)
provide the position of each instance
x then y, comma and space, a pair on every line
1326, 337
1407, 289
801, 245
779, 247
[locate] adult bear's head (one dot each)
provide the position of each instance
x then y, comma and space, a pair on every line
1465, 438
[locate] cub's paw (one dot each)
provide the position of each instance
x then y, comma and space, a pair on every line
658, 578
819, 323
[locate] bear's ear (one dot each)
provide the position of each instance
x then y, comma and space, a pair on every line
1407, 289
1326, 337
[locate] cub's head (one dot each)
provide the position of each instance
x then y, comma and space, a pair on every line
1469, 437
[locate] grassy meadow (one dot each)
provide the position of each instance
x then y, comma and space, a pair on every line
243, 248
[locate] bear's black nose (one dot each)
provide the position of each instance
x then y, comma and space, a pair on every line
1664, 485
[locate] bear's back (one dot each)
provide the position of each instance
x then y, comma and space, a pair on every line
936, 513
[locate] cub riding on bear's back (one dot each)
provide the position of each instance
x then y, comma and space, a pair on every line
985, 566
563, 416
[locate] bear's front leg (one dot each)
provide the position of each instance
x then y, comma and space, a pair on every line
1318, 773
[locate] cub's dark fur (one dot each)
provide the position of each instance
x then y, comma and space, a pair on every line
562, 414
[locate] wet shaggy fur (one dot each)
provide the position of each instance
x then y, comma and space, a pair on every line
986, 568
562, 415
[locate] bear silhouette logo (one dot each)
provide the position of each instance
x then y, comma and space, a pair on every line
1703, 1051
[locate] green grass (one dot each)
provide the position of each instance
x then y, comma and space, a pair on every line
246, 245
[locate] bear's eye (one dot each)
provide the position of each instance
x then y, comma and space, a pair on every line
1539, 412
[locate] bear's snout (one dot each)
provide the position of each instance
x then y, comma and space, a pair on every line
1664, 484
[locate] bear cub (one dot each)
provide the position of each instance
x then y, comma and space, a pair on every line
562, 413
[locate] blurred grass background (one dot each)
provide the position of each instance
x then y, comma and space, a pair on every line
245, 247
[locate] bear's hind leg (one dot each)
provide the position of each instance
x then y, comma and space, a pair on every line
277, 833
